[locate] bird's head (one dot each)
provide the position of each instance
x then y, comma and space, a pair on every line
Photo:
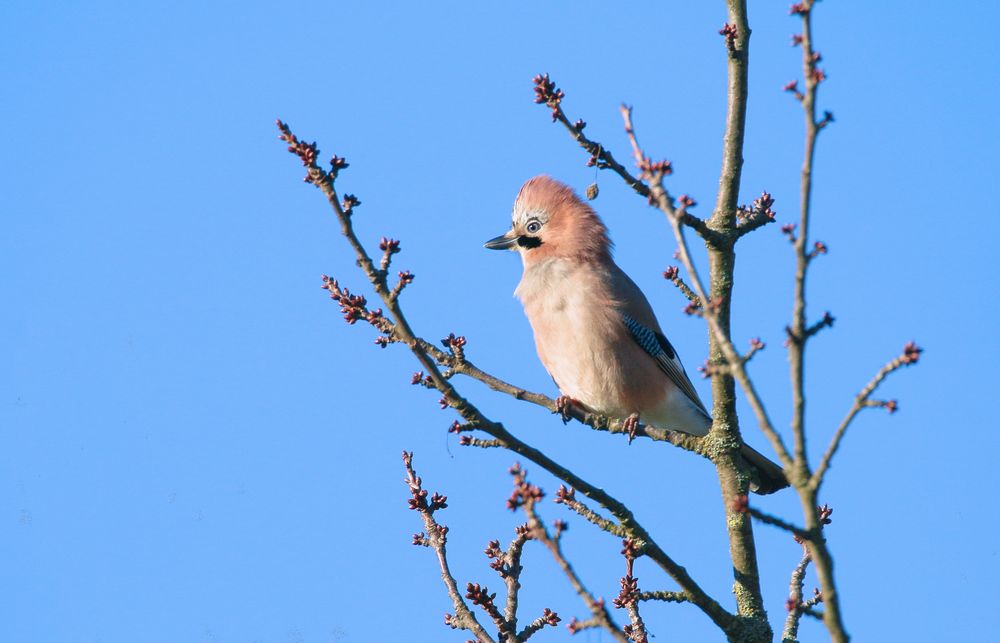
550, 221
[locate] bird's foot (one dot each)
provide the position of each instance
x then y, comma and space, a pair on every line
564, 405
631, 425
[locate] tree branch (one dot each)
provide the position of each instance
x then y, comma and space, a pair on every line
799, 332
738, 67
910, 355
512, 577
661, 595
547, 93
791, 632
436, 538
628, 598
672, 275
596, 421
567, 496
548, 617
598, 610
766, 518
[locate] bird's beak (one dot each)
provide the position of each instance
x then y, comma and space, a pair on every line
503, 242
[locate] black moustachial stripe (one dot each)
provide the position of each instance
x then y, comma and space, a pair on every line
528, 242
652, 342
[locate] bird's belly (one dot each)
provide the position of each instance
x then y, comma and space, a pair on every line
597, 364
591, 377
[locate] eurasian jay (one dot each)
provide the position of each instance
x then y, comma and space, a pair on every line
595, 333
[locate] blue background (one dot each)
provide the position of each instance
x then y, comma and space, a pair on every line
194, 447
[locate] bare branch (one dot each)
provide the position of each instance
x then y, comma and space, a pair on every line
910, 355
799, 332
546, 92
508, 565
738, 68
791, 631
575, 625
774, 521
596, 421
795, 605
754, 216
756, 345
480, 595
436, 539
654, 172
469, 441
548, 617
628, 598
716, 311
825, 322
567, 496
661, 595
672, 274
600, 616
741, 505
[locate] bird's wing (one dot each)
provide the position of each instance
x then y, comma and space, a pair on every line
658, 347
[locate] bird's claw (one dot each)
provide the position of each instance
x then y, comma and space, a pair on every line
631, 425
565, 404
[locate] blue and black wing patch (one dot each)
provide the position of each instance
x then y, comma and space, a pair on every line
658, 347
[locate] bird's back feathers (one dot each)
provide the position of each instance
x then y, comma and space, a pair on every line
658, 347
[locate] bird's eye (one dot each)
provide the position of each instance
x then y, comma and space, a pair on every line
534, 227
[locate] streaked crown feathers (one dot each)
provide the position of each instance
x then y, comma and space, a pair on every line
571, 227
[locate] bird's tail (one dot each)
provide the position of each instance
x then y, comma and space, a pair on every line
767, 477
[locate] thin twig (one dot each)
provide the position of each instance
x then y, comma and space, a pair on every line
791, 631
628, 598
546, 92
662, 595
568, 497
799, 335
672, 274
436, 539
774, 521
600, 615
596, 421
548, 617
654, 172
910, 355
512, 576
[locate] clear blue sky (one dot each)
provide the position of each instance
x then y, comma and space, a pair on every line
194, 447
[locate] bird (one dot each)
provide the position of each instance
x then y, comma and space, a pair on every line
595, 332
